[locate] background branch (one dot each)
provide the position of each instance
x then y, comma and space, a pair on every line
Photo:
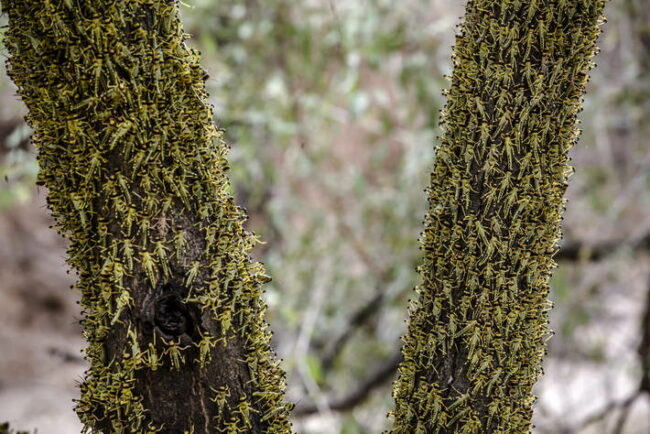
381, 375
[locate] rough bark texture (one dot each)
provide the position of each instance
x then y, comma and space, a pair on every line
478, 326
137, 180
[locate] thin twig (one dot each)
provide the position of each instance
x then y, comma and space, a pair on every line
644, 347
607, 410
625, 412
644, 385
580, 251
382, 374
358, 319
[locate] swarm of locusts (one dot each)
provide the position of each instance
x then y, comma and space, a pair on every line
478, 324
137, 180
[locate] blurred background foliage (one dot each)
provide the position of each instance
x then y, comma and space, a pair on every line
331, 108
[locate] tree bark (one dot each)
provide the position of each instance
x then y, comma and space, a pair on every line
137, 180
478, 326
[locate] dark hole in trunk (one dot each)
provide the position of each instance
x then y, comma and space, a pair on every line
171, 315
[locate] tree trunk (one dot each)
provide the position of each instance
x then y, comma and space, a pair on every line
137, 180
478, 326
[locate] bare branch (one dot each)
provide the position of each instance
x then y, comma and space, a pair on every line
382, 375
644, 385
358, 319
580, 251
